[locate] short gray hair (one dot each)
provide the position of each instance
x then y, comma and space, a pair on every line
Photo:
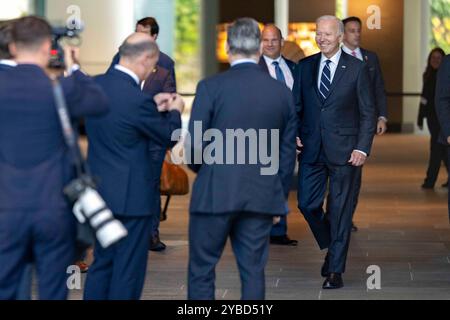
244, 37
341, 28
132, 51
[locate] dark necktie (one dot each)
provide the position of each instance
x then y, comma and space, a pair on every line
325, 80
279, 72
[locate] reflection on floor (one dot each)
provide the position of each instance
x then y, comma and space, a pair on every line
402, 229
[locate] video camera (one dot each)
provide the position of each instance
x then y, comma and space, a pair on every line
69, 34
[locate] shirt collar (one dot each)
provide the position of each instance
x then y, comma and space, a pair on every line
128, 72
8, 62
240, 61
270, 61
349, 51
334, 59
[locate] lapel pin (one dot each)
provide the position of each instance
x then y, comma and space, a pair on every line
344, 67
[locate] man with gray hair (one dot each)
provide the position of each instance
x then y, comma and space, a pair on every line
119, 155
236, 200
337, 117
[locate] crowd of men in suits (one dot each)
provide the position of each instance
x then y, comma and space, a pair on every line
327, 110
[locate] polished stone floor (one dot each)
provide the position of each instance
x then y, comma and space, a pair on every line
403, 230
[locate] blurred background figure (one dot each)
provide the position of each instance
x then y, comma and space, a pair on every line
438, 152
443, 107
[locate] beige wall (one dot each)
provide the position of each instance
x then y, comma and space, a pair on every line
107, 23
415, 54
387, 42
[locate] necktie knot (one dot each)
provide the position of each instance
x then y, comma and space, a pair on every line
278, 72
354, 53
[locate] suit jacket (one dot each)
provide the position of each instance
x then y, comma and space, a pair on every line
243, 97
443, 99
160, 80
377, 81
292, 67
119, 145
164, 61
345, 121
35, 164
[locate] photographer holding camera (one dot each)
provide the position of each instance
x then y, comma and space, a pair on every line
36, 222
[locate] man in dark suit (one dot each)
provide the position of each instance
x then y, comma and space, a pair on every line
337, 125
159, 81
150, 26
238, 199
36, 223
284, 71
443, 104
118, 155
351, 46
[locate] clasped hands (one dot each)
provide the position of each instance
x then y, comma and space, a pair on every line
169, 102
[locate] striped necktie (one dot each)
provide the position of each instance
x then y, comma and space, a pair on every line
325, 80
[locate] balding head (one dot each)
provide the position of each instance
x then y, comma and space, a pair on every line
137, 45
139, 53
272, 40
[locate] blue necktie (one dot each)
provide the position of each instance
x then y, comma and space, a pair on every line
325, 80
279, 72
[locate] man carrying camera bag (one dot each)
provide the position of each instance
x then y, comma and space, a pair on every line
119, 155
36, 222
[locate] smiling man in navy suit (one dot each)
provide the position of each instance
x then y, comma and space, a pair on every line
337, 125
284, 71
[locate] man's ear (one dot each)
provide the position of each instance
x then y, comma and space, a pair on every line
12, 49
227, 49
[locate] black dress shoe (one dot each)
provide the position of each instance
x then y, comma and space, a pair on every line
354, 228
427, 186
283, 241
445, 185
324, 270
157, 245
333, 281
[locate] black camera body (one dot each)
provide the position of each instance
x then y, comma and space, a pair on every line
57, 52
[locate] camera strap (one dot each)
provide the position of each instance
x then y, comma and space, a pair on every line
67, 129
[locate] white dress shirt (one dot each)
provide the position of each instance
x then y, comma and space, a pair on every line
128, 72
357, 51
333, 65
284, 68
240, 61
8, 62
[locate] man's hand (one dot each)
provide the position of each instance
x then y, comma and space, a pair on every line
357, 159
299, 146
71, 57
448, 140
169, 102
162, 101
381, 127
276, 220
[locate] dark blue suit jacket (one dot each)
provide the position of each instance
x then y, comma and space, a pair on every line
243, 97
165, 62
345, 121
34, 162
376, 78
443, 99
119, 145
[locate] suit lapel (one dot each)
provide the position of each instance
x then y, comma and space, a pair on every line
340, 71
263, 64
315, 76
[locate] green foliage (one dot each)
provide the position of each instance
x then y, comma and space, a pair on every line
187, 42
440, 24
